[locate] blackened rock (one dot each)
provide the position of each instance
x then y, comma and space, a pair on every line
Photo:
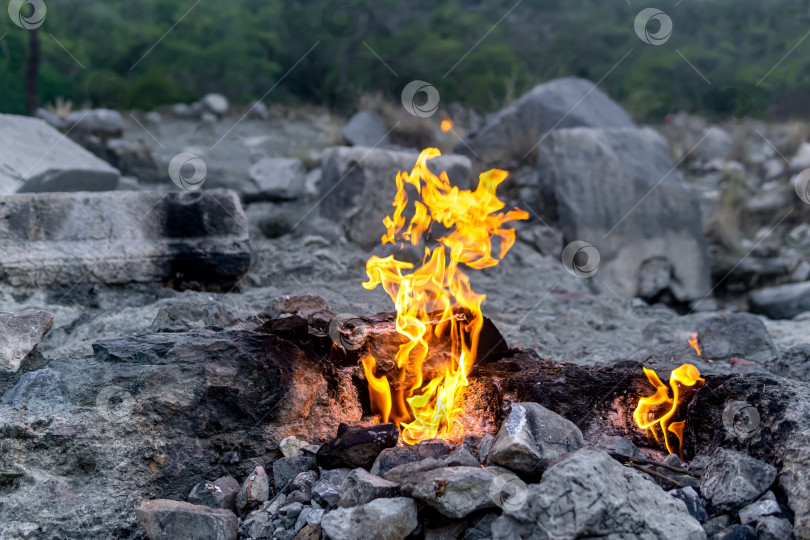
400, 455
733, 479
736, 532
170, 520
716, 524
286, 469
694, 504
221, 493
781, 301
293, 327
357, 446
735, 335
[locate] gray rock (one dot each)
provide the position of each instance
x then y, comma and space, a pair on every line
258, 110
170, 520
216, 104
759, 509
258, 524
589, 494
255, 490
182, 238
366, 128
336, 476
304, 481
308, 516
736, 532
286, 469
735, 335
277, 179
357, 446
462, 456
326, 493
20, 333
694, 504
482, 529
100, 122
292, 510
455, 491
781, 301
774, 528
305, 306
531, 436
51, 119
733, 479
402, 472
360, 487
182, 111
358, 186
134, 159
619, 445
794, 362
38, 391
716, 524
510, 136
616, 188
221, 493
36, 157
391, 519
400, 455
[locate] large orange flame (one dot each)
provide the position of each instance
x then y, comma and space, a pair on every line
464, 223
657, 412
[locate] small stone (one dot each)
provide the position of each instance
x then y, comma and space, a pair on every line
336, 476
304, 481
735, 335
619, 446
759, 509
19, 335
462, 456
482, 529
308, 516
215, 104
326, 493
694, 504
357, 446
360, 487
774, 528
164, 519
221, 493
291, 446
391, 519
736, 532
254, 491
310, 532
400, 455
257, 525
733, 479
299, 496
716, 524
455, 491
366, 128
272, 507
399, 474
531, 436
291, 510
286, 469
277, 179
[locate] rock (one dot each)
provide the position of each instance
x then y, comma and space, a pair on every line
794, 362
221, 493
456, 491
308, 516
716, 525
360, 487
326, 493
134, 159
216, 104
105, 123
292, 510
510, 136
402, 472
257, 110
391, 519
359, 184
366, 128
482, 529
291, 446
185, 239
774, 528
50, 118
286, 469
735, 335
694, 504
182, 111
357, 446
66, 166
781, 301
400, 455
336, 476
736, 532
173, 520
619, 445
20, 333
589, 494
310, 532
596, 180
305, 306
37, 391
713, 142
531, 436
255, 490
304, 481
759, 509
462, 456
153, 117
733, 479
277, 179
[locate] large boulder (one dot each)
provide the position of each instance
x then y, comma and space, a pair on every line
590, 495
180, 238
277, 179
164, 519
617, 189
511, 135
366, 128
358, 185
781, 301
735, 335
36, 157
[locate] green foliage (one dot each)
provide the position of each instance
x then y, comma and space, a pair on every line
162, 51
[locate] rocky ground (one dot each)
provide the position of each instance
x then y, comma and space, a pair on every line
149, 389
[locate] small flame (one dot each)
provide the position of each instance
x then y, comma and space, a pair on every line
468, 220
656, 412
447, 125
694, 343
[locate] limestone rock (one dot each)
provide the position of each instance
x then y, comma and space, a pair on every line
392, 519
360, 487
19, 335
164, 519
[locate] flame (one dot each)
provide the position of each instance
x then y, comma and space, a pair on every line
464, 223
658, 410
694, 343
447, 125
